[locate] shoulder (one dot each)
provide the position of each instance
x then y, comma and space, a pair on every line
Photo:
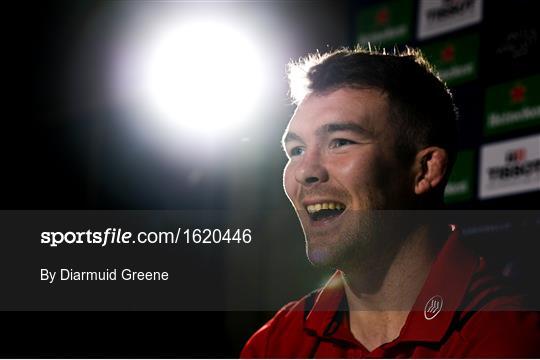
497, 322
502, 333
285, 327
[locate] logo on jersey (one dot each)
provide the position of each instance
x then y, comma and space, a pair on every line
433, 307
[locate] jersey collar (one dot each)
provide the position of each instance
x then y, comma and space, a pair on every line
432, 313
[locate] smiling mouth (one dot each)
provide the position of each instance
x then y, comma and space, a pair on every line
325, 210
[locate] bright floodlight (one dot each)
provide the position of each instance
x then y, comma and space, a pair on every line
199, 75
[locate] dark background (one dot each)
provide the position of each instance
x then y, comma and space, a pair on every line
64, 154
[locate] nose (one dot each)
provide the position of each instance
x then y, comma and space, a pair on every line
311, 170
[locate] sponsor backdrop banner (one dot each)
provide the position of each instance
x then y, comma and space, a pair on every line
437, 17
492, 68
385, 24
460, 184
513, 105
510, 167
456, 60
511, 47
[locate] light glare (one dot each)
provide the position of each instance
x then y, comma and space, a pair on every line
204, 76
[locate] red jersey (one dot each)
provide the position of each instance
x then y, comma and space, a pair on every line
462, 311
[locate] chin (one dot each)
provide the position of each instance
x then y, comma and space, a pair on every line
321, 256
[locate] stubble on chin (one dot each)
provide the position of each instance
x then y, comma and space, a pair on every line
365, 248
345, 248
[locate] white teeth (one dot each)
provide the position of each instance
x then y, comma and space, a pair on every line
324, 206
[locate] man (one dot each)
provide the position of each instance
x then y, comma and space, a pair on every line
373, 134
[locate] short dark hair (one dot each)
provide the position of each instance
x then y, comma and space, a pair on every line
422, 107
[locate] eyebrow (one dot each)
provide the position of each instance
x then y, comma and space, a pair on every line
348, 126
291, 136
328, 129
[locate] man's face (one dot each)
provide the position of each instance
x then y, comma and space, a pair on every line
342, 162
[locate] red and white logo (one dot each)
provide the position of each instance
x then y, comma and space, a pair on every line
517, 94
382, 17
516, 155
448, 54
433, 307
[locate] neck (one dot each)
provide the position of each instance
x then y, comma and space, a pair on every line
377, 317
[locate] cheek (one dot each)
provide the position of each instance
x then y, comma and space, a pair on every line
353, 172
372, 177
289, 182
360, 176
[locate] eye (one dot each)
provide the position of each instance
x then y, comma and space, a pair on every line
340, 142
296, 151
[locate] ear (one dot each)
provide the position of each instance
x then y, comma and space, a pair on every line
429, 168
